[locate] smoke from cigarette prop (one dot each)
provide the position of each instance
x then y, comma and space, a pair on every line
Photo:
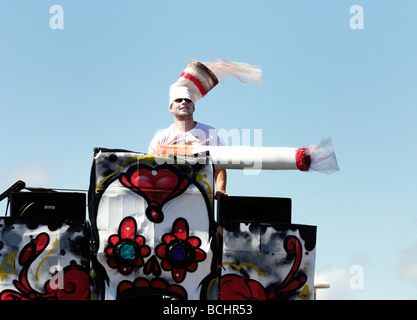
319, 157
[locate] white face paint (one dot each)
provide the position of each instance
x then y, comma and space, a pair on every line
182, 107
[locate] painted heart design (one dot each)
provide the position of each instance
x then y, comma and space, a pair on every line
157, 185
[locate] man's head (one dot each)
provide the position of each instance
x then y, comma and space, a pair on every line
193, 83
182, 107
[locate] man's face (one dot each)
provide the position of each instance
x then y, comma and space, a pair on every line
182, 107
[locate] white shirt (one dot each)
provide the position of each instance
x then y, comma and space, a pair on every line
201, 134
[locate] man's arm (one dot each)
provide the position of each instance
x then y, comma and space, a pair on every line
220, 177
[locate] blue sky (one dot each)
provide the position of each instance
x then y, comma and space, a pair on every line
102, 81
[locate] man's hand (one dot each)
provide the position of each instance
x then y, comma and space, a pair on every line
220, 177
219, 194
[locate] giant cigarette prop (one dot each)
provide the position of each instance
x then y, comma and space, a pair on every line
319, 157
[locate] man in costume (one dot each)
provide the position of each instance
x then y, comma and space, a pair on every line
193, 84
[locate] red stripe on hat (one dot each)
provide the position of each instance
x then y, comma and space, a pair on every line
196, 82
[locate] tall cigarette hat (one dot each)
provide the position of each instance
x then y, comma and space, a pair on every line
199, 78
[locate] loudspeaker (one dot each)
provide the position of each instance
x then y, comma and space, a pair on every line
62, 205
260, 209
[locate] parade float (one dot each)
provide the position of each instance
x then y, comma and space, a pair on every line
150, 226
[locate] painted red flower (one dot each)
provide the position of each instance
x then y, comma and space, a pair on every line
179, 251
126, 250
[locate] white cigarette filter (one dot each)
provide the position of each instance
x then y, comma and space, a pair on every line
319, 157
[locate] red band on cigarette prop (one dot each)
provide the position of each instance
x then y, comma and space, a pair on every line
302, 159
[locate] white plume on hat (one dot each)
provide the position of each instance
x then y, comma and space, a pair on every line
244, 72
199, 78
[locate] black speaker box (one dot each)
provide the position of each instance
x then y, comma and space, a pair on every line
260, 209
62, 205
